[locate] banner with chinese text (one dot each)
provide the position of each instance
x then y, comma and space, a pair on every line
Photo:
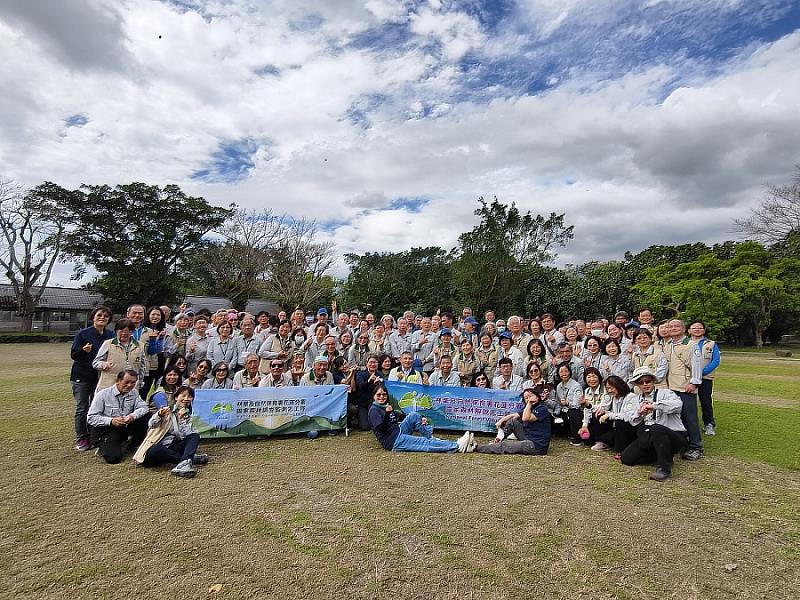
269, 411
459, 408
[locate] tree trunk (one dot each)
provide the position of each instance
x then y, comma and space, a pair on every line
759, 335
27, 323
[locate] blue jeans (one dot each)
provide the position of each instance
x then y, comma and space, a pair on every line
82, 392
690, 420
408, 442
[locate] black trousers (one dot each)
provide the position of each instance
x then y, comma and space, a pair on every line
111, 440
178, 450
601, 432
704, 392
575, 420
654, 443
358, 417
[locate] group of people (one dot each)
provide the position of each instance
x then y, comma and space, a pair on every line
611, 385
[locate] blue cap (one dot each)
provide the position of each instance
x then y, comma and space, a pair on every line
471, 321
444, 331
322, 311
507, 334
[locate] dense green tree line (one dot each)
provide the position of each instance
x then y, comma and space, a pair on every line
747, 293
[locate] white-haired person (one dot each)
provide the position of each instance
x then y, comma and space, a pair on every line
660, 432
319, 374
249, 376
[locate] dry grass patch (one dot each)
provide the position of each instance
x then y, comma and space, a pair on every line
338, 517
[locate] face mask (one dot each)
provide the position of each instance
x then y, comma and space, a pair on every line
501, 329
597, 332
299, 340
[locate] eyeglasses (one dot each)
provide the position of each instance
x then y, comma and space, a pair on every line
381, 394
276, 366
221, 371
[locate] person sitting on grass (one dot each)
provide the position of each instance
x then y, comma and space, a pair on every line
530, 425
618, 415
117, 413
398, 436
660, 433
171, 439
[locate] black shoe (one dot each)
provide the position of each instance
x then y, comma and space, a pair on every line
660, 474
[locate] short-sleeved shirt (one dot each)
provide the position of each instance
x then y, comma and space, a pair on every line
538, 431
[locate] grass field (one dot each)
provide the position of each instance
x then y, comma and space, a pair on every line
338, 517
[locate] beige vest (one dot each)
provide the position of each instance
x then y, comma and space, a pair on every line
121, 361
679, 360
707, 355
263, 366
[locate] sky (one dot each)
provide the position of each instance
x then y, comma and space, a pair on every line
645, 122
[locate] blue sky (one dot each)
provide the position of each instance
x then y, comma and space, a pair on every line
386, 120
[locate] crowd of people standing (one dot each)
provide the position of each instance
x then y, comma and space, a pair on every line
612, 385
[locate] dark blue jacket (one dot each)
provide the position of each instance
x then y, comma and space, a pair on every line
82, 370
384, 425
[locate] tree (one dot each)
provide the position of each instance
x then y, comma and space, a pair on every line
765, 285
777, 216
32, 235
699, 289
493, 257
298, 266
737, 297
137, 236
598, 289
391, 282
237, 267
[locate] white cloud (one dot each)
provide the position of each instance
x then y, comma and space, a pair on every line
631, 159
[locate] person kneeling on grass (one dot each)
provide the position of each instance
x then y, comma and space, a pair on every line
530, 425
116, 414
398, 436
660, 433
171, 438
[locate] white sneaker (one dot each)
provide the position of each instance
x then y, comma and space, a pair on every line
463, 442
184, 469
471, 445
710, 430
598, 446
500, 435
558, 420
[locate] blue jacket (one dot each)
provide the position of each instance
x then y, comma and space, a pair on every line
82, 369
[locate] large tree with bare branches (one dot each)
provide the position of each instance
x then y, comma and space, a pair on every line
777, 216
32, 235
236, 265
298, 266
